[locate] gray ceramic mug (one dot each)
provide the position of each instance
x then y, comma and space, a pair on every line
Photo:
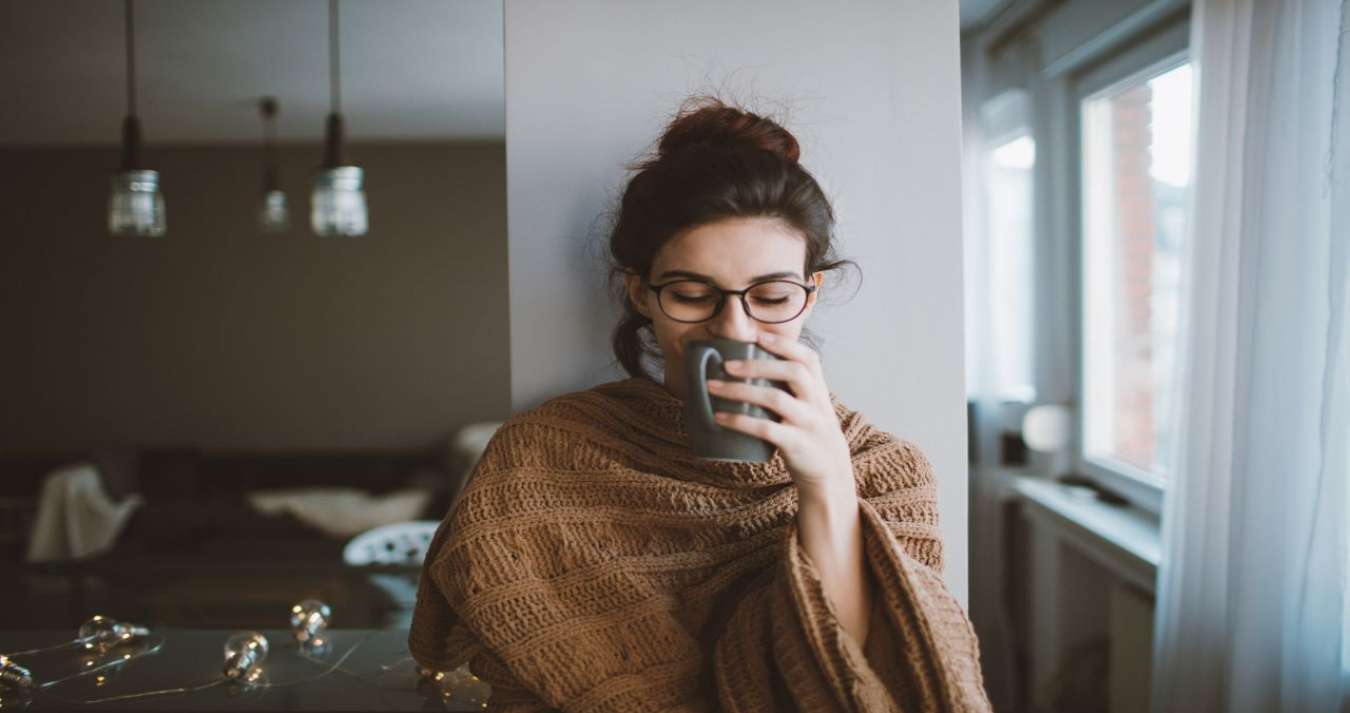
709, 439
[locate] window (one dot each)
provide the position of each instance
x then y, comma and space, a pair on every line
1008, 180
1000, 254
1136, 176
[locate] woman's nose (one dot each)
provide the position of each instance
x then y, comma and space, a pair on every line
733, 322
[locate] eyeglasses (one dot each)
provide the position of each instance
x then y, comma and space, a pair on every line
770, 302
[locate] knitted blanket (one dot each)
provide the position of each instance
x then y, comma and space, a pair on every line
594, 563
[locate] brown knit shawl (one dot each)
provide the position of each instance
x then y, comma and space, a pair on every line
594, 563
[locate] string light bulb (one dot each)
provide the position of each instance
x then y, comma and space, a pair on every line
104, 631
243, 652
460, 689
108, 661
309, 619
12, 675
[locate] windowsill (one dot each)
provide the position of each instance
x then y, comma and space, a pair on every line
1141, 488
1124, 539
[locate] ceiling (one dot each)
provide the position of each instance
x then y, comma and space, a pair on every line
973, 12
412, 70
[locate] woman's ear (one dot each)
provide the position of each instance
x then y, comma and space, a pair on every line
637, 294
817, 279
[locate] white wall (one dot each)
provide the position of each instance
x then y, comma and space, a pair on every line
873, 96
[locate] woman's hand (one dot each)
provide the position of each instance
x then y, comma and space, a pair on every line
817, 456
809, 436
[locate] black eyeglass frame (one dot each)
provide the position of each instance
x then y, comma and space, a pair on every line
722, 299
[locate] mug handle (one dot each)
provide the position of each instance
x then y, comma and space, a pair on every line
698, 381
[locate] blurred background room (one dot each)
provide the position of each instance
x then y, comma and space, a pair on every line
259, 361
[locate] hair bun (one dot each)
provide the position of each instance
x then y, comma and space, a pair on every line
712, 122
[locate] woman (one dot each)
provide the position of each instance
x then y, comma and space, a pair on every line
594, 563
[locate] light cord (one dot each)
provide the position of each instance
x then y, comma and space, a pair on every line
362, 677
147, 694
329, 670
334, 66
336, 666
131, 57
43, 649
149, 651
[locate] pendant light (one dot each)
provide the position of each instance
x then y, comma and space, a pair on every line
338, 204
135, 205
273, 214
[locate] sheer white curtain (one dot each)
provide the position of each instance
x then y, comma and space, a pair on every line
1252, 606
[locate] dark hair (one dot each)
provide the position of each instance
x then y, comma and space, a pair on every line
713, 162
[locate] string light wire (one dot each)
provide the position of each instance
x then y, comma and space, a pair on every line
126, 658
258, 687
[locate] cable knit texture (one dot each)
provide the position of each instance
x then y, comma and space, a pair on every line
594, 563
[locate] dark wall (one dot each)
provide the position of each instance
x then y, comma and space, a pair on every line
221, 336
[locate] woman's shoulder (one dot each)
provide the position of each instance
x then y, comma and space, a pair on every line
591, 404
601, 408
881, 459
568, 425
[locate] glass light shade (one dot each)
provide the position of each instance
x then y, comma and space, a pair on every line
274, 216
103, 631
107, 662
135, 205
462, 690
243, 651
338, 206
309, 618
12, 675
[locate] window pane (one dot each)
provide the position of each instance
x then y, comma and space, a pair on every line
1136, 177
1008, 176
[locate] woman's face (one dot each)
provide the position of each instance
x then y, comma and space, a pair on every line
731, 254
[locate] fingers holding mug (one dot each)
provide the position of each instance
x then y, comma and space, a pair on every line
777, 434
798, 366
788, 407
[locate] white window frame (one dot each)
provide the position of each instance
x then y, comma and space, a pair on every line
1163, 49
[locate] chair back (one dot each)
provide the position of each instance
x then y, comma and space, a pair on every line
397, 543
